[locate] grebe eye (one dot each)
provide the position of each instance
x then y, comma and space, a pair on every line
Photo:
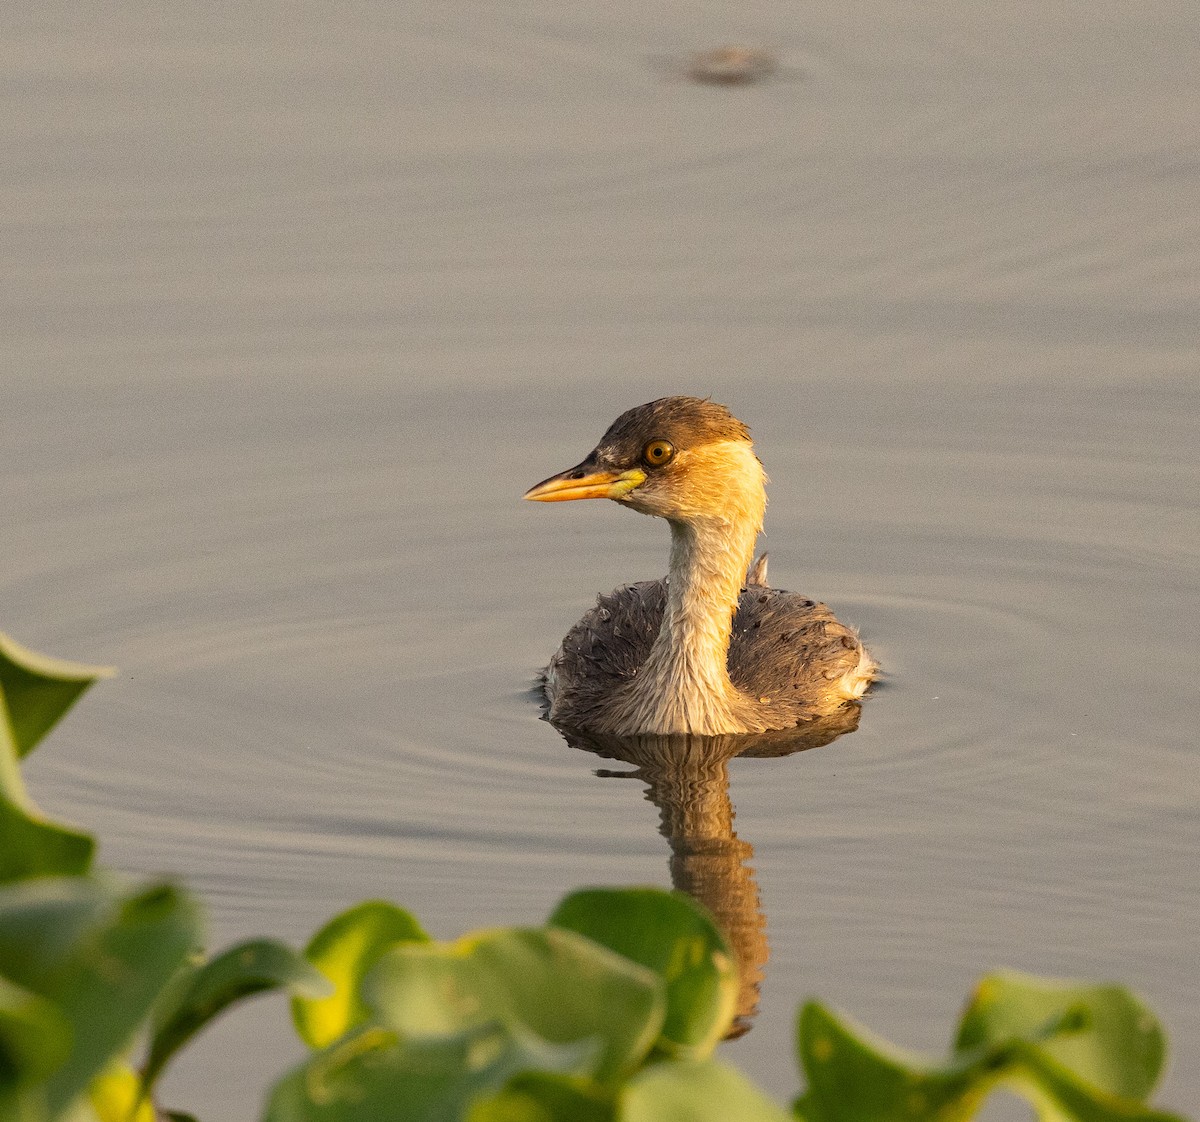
658, 452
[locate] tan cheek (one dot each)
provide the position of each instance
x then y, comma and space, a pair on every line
701, 470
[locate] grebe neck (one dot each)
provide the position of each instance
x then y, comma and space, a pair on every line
684, 684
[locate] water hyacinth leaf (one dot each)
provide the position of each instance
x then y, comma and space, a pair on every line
553, 983
20, 1105
114, 1097
36, 690
110, 985
1060, 1096
35, 1038
854, 1076
690, 1091
672, 935
101, 954
1118, 1046
42, 923
33, 847
538, 1096
374, 1074
432, 990
344, 950
199, 993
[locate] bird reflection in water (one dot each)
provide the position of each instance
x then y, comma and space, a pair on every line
687, 778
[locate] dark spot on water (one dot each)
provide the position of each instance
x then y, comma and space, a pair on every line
731, 65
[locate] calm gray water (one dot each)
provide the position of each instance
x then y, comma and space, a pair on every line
299, 298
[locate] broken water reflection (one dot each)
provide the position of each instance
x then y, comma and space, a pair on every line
687, 778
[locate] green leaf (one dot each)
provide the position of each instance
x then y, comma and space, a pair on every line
114, 1096
376, 1074
539, 1096
552, 983
199, 993
672, 935
1119, 1046
344, 950
100, 954
1060, 1095
22, 1106
36, 690
35, 1038
1012, 1035
33, 847
854, 1076
690, 1091
41, 923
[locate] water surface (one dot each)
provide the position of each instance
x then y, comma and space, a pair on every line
300, 298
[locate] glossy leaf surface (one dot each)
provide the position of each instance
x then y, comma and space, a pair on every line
114, 1097
100, 954
689, 1091
35, 692
538, 1096
853, 1076
672, 935
1061, 1096
1118, 1047
199, 993
344, 951
375, 1074
35, 1038
547, 982
33, 847
856, 1077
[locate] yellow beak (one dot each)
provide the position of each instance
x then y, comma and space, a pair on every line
581, 483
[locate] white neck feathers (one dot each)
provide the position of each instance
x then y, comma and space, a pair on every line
684, 685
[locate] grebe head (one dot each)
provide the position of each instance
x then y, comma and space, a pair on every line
685, 459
